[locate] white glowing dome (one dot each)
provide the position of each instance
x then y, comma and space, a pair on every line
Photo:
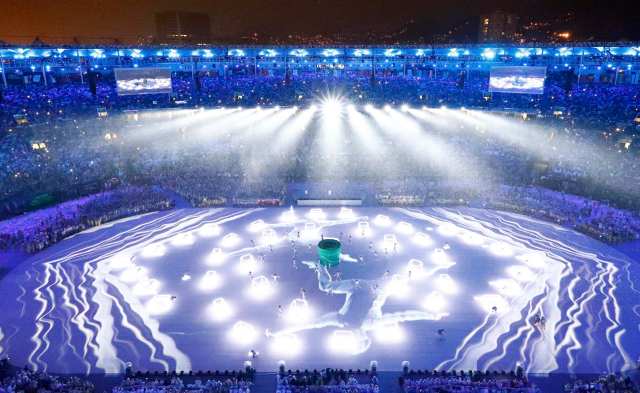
247, 264
160, 304
220, 309
404, 228
216, 257
133, 274
147, 287
120, 261
210, 281
257, 225
154, 250
230, 239
299, 311
243, 333
346, 213
422, 239
210, 230
382, 220
434, 302
261, 288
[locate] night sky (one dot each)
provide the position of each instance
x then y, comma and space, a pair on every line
127, 20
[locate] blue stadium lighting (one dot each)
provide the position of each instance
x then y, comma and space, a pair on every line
453, 52
330, 52
60, 50
489, 54
268, 53
421, 52
564, 52
207, 53
173, 54
523, 53
98, 53
137, 54
361, 52
299, 52
392, 52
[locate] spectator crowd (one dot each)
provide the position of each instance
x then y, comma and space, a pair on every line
96, 169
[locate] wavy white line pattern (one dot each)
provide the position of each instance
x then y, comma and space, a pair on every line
70, 310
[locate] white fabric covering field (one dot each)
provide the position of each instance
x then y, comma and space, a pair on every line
199, 288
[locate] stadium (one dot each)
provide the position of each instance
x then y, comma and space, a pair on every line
344, 218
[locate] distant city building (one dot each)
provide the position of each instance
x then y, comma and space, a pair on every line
499, 26
179, 27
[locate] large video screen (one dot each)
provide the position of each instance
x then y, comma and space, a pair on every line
522, 80
131, 81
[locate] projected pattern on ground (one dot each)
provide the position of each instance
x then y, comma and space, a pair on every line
446, 288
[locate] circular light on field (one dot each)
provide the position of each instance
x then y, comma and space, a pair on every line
506, 287
216, 257
183, 240
434, 302
299, 311
471, 238
147, 287
441, 258
415, 268
501, 249
286, 345
535, 260
363, 229
120, 261
210, 281
397, 286
445, 284
310, 231
422, 239
220, 309
257, 225
343, 342
247, 264
243, 333
346, 213
133, 274
230, 240
382, 220
269, 236
261, 288
160, 304
288, 216
448, 229
210, 230
317, 214
389, 241
404, 228
154, 250
521, 273
389, 333
492, 303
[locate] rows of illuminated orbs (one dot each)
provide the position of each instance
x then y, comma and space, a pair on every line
298, 311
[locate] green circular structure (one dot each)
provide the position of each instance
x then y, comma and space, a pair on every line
329, 252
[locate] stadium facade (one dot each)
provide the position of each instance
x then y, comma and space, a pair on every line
615, 62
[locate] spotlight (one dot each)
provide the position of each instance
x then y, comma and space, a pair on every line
404, 108
387, 108
331, 106
368, 107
